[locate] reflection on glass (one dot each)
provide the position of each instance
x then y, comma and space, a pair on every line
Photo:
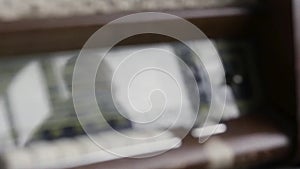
36, 107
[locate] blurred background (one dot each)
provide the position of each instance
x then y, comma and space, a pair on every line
256, 41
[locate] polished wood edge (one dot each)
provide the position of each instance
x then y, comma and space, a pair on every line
59, 34
296, 26
275, 39
88, 20
254, 140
